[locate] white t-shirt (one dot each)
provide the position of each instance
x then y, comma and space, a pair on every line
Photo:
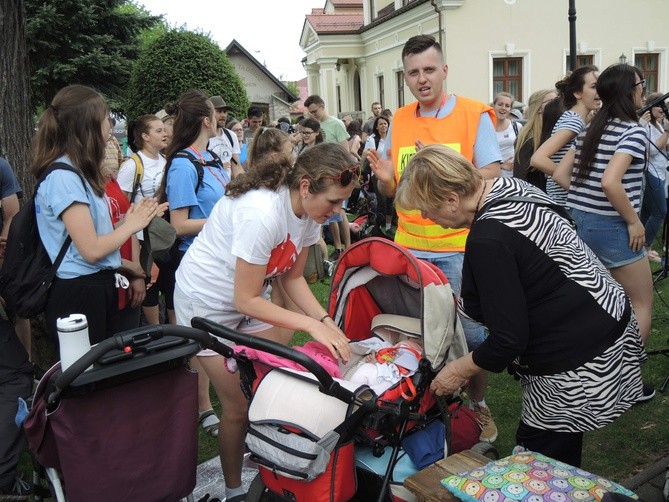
259, 227
506, 140
153, 174
220, 145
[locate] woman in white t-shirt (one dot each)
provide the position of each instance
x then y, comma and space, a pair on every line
257, 233
506, 130
147, 136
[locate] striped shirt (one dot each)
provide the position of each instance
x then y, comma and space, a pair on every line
568, 121
618, 137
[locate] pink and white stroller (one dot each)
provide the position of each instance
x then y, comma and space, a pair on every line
316, 437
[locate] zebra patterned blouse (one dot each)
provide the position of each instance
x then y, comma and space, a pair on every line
552, 308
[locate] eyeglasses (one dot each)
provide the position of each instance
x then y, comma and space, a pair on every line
307, 133
313, 111
346, 176
641, 82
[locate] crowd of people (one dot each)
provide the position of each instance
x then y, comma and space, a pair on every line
544, 228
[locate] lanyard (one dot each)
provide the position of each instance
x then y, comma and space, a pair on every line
204, 163
221, 181
198, 154
443, 102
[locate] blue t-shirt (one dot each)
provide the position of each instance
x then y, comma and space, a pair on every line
8, 184
180, 190
57, 192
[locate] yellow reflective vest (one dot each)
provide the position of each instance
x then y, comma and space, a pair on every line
457, 131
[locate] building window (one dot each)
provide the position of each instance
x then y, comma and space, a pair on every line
400, 88
507, 76
581, 60
648, 64
382, 92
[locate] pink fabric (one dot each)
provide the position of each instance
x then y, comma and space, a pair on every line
317, 351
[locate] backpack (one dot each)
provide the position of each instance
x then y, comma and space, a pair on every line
27, 272
139, 174
199, 167
173, 254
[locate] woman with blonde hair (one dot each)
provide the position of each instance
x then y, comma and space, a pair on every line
506, 130
529, 139
555, 315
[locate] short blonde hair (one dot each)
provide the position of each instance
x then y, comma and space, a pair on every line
433, 173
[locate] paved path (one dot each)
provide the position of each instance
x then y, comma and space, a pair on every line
210, 478
648, 484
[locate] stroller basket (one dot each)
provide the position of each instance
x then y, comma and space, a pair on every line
127, 428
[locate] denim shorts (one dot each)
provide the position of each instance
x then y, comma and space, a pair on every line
608, 238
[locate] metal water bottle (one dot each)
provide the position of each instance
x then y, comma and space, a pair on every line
73, 338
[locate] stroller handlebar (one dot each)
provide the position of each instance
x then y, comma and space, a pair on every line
133, 338
327, 384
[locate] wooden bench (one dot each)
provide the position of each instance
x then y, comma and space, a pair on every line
426, 484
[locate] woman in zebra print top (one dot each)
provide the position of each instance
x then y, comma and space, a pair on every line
554, 313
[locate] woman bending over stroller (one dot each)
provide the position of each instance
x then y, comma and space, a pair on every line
257, 233
555, 314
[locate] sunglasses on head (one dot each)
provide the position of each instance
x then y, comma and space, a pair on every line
346, 176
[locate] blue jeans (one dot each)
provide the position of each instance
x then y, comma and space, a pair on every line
451, 265
654, 207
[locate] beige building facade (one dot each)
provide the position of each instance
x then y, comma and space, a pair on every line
354, 47
263, 89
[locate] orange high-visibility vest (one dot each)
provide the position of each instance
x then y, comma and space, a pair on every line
458, 131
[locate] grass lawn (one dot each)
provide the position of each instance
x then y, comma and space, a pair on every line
637, 439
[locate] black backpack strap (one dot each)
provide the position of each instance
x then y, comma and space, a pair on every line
229, 136
560, 210
514, 124
68, 240
199, 167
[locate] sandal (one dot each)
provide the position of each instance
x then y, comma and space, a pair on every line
209, 422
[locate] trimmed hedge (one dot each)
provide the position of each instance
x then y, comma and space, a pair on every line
179, 61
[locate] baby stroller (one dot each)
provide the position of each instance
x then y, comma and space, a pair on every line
121, 422
318, 437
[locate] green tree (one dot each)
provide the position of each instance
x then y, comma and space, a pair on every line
83, 42
178, 61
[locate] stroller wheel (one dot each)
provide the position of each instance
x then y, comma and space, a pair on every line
485, 449
258, 492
